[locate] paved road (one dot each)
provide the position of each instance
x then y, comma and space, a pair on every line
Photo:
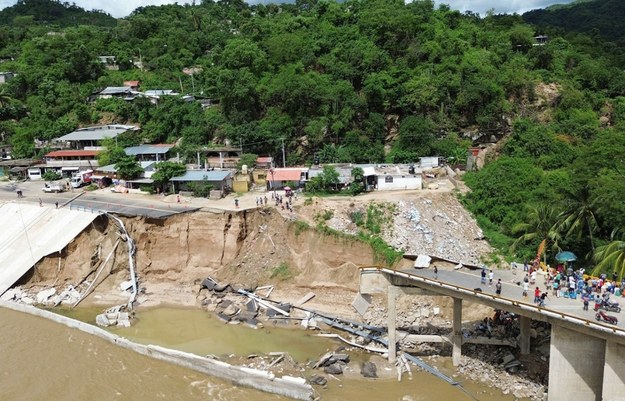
143, 205
471, 279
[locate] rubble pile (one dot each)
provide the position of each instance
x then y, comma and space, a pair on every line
47, 297
119, 316
435, 225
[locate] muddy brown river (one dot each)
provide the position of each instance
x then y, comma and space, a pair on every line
43, 360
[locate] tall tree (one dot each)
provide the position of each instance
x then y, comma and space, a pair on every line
538, 226
611, 257
579, 216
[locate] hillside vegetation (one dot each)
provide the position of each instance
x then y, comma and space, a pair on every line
359, 81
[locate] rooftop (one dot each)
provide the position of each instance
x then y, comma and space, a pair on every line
110, 168
160, 149
96, 133
72, 153
281, 174
202, 175
115, 90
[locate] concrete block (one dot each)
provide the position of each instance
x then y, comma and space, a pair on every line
43, 296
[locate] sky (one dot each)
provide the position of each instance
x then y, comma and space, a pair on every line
121, 8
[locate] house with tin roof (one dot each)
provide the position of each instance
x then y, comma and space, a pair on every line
281, 177
123, 92
90, 138
221, 180
156, 152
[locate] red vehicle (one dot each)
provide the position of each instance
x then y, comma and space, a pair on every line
602, 316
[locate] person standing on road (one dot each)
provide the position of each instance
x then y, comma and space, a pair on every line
483, 276
498, 287
536, 295
526, 287
40, 203
435, 273
491, 276
586, 300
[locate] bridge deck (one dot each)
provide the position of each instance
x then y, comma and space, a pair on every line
31, 232
463, 284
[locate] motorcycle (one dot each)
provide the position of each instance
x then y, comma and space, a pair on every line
611, 306
602, 316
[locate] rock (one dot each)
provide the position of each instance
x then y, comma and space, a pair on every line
334, 369
231, 310
27, 300
339, 357
318, 380
103, 321
368, 369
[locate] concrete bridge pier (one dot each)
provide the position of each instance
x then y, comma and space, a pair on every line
524, 338
576, 365
456, 339
392, 323
614, 372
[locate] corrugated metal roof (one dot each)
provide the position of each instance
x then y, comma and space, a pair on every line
201, 175
160, 92
96, 133
110, 168
148, 150
115, 90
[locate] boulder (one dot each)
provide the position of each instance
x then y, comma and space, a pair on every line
334, 369
368, 369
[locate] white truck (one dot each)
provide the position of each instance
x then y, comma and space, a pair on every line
54, 186
81, 178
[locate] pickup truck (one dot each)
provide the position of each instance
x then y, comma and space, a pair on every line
53, 187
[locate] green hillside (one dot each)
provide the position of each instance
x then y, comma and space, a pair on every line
604, 17
52, 12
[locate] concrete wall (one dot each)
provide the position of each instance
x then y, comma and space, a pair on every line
614, 372
399, 182
575, 366
293, 387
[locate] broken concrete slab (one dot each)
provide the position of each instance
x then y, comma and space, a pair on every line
208, 283
422, 261
125, 285
361, 303
305, 299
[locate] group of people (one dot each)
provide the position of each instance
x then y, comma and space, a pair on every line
491, 277
260, 201
282, 203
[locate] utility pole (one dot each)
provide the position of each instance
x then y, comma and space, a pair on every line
283, 156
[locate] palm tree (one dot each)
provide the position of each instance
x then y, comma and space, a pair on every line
611, 257
579, 216
541, 220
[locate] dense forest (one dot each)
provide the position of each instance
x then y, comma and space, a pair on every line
358, 81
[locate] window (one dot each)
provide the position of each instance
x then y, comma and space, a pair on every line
388, 179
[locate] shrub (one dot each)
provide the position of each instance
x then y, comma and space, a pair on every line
282, 272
